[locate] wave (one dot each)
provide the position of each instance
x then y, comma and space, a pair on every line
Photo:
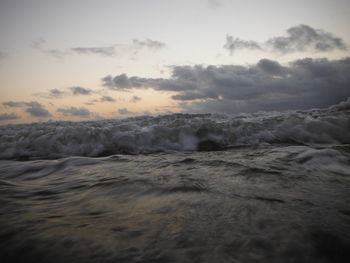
175, 132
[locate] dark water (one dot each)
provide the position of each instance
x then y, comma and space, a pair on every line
266, 203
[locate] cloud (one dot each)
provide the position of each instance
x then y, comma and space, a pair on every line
107, 99
91, 102
106, 51
135, 99
76, 112
299, 38
41, 43
303, 37
80, 91
33, 108
233, 44
190, 96
14, 104
38, 43
7, 117
59, 54
266, 85
124, 111
58, 93
38, 111
214, 3
113, 49
123, 83
344, 105
148, 43
271, 67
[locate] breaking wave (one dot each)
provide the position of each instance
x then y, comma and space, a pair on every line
176, 132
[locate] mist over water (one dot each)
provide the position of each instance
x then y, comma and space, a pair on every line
266, 187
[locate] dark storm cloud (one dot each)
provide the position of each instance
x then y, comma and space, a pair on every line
135, 99
124, 111
106, 51
33, 108
73, 111
344, 105
267, 85
190, 96
299, 38
271, 67
233, 44
80, 91
7, 117
148, 43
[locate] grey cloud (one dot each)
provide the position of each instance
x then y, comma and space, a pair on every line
214, 3
344, 105
302, 37
80, 91
73, 111
271, 67
59, 54
123, 82
91, 102
190, 96
135, 99
106, 51
267, 85
124, 111
299, 38
112, 50
57, 93
233, 44
108, 82
38, 111
306, 83
7, 117
148, 43
33, 108
107, 99
38, 43
14, 104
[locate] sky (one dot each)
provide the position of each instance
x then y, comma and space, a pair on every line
88, 60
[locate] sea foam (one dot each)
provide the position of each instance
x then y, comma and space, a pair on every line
176, 132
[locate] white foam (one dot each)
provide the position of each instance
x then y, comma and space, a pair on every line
177, 132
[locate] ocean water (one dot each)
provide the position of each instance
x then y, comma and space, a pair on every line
264, 187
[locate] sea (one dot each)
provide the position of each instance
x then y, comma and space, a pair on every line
258, 187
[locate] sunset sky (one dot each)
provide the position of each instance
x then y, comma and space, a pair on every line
89, 59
